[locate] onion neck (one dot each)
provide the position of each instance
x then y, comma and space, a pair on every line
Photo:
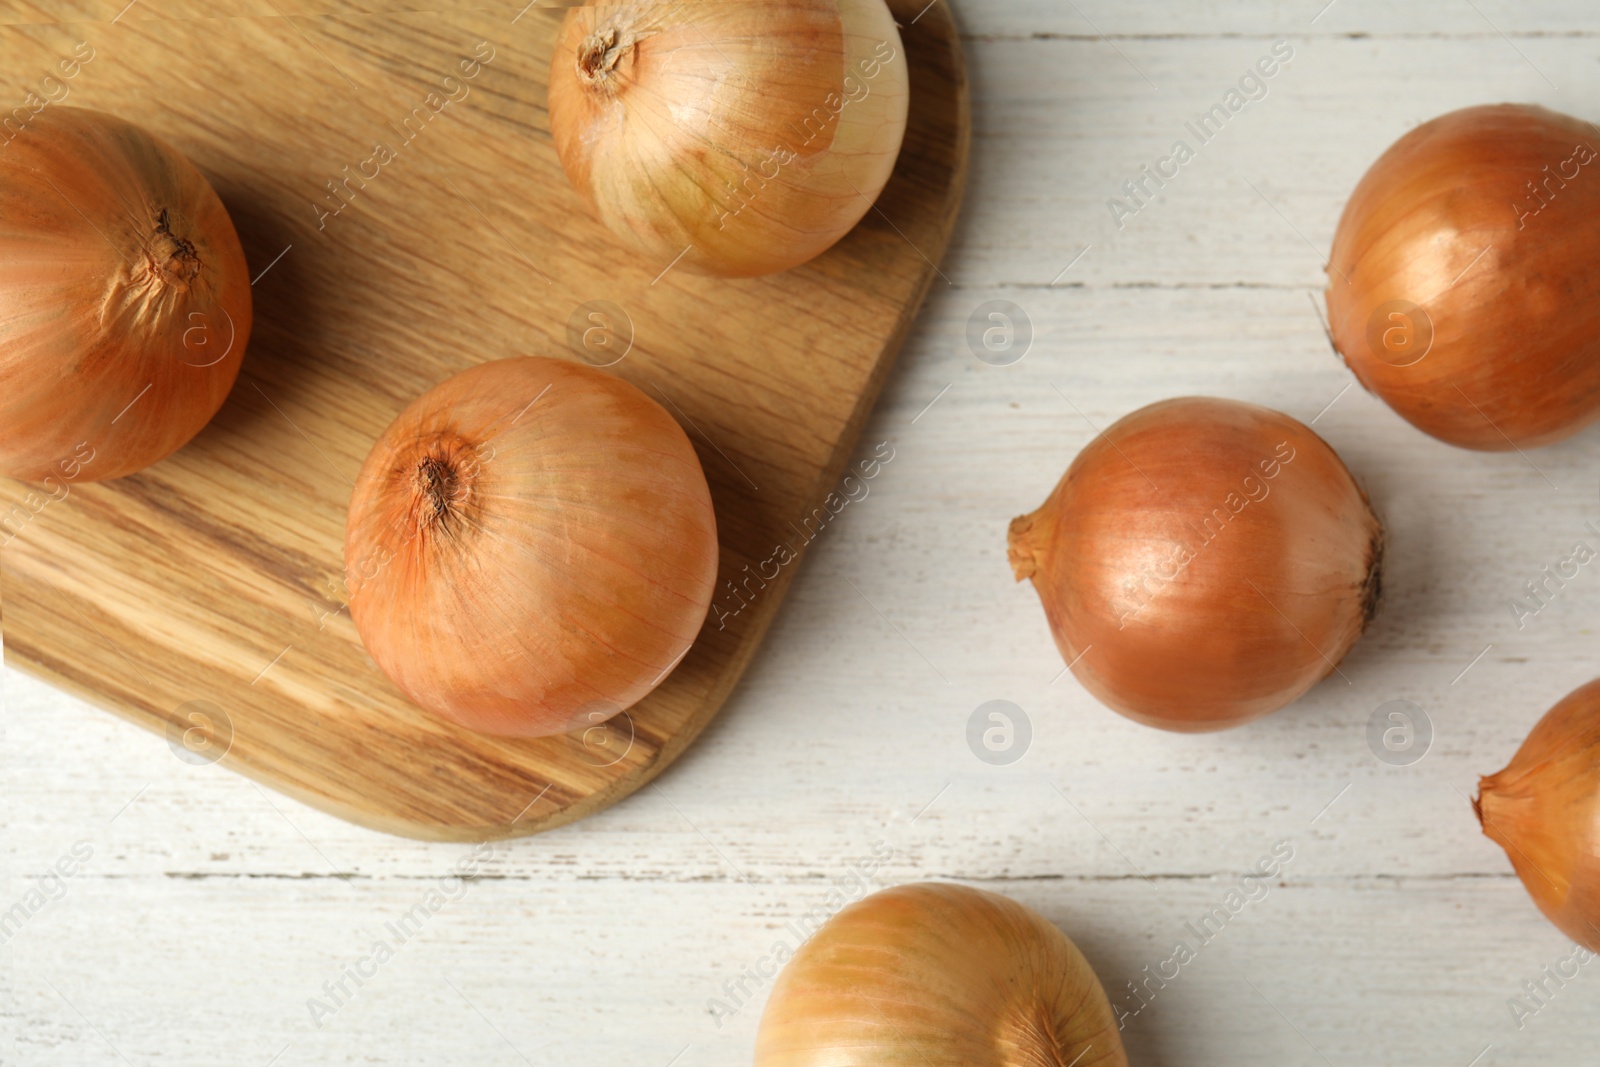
1487, 808
1501, 797
1022, 550
1510, 812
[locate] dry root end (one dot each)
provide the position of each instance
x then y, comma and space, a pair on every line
1020, 550
174, 261
1036, 1038
441, 486
437, 481
601, 52
1372, 590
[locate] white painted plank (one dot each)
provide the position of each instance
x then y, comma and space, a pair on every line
1061, 125
1127, 25
223, 970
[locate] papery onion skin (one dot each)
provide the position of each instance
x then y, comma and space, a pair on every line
1544, 810
938, 975
1466, 298
1189, 588
746, 136
531, 547
120, 270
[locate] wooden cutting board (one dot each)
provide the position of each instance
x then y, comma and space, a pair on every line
203, 597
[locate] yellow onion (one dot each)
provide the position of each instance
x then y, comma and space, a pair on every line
938, 975
1203, 563
124, 298
531, 547
1544, 810
744, 136
1462, 286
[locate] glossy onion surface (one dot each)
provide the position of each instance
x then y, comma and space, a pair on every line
1544, 810
1203, 563
1462, 285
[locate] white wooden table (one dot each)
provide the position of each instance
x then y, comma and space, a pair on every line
208, 912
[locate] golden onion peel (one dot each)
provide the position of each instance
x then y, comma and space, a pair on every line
530, 547
1203, 563
938, 975
1462, 286
738, 137
124, 299
1544, 810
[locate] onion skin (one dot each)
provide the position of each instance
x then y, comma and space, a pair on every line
121, 269
1544, 810
1181, 597
528, 567
938, 975
746, 136
1514, 360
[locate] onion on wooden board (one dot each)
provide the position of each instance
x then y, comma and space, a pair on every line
938, 975
1462, 284
124, 299
736, 137
1203, 563
531, 547
1544, 810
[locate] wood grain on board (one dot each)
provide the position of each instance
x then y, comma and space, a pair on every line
211, 584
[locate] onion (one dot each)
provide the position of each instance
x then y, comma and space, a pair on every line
1463, 288
1544, 810
1203, 563
938, 975
531, 547
124, 299
744, 136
